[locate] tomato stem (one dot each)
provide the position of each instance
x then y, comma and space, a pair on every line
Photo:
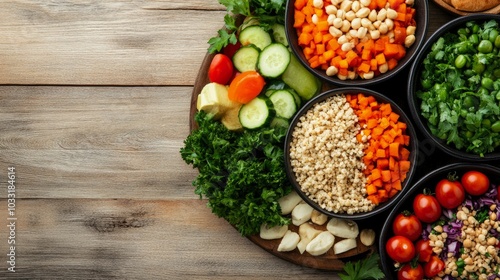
452, 176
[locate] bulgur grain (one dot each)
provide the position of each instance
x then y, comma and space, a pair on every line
326, 157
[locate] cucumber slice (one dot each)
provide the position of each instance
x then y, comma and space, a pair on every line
256, 113
273, 60
279, 122
298, 100
255, 35
300, 79
245, 59
279, 34
284, 103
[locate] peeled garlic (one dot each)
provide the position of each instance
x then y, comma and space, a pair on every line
344, 245
320, 244
289, 241
307, 233
301, 213
273, 232
288, 202
318, 217
343, 228
367, 236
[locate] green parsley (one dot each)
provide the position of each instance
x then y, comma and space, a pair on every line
264, 11
365, 269
241, 173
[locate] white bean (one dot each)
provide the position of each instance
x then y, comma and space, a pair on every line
353, 33
342, 40
350, 15
318, 4
383, 28
355, 6
391, 13
347, 46
337, 22
346, 26
409, 40
330, 19
377, 24
363, 12
331, 9
366, 22
374, 34
356, 23
383, 68
410, 30
389, 23
382, 14
346, 5
368, 75
365, 3
335, 31
314, 19
332, 71
351, 75
410, 2
362, 32
372, 16
341, 14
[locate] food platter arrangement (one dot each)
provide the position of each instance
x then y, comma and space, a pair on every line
311, 118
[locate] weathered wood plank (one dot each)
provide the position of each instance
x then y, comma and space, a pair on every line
104, 42
96, 142
135, 239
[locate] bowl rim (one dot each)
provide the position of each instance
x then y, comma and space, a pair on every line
421, 34
387, 226
414, 74
410, 130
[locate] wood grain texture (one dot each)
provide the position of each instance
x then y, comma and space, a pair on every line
102, 192
104, 42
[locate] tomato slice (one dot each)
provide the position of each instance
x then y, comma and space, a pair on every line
424, 250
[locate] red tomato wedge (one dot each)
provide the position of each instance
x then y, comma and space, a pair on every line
221, 69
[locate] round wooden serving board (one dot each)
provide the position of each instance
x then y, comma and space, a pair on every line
328, 261
443, 4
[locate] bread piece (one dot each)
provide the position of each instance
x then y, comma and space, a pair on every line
474, 5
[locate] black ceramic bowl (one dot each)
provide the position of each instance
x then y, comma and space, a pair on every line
381, 99
405, 203
414, 85
421, 18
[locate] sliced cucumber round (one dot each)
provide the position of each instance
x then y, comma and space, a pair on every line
245, 59
273, 60
280, 122
255, 35
284, 103
256, 113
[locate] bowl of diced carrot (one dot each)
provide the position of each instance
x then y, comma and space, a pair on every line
359, 42
350, 152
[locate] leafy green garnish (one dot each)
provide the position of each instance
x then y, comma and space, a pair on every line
363, 269
459, 99
241, 174
263, 11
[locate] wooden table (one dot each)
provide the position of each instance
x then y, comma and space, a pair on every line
94, 107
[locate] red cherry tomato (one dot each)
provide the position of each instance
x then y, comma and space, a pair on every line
221, 69
400, 249
424, 250
427, 208
450, 194
433, 266
408, 225
411, 272
475, 182
231, 49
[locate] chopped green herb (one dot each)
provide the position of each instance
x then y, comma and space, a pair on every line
363, 269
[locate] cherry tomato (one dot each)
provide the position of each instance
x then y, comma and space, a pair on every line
411, 272
427, 208
408, 225
400, 249
424, 250
433, 266
450, 194
221, 69
231, 49
475, 182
